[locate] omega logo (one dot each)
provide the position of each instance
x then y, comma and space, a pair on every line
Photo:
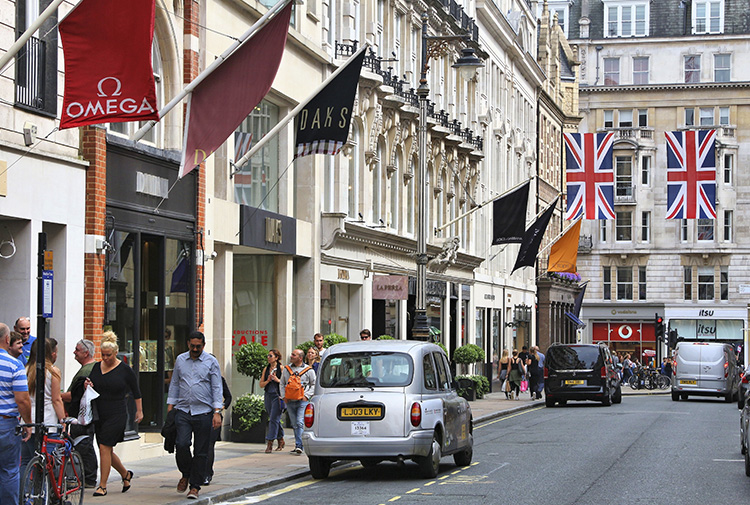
109, 106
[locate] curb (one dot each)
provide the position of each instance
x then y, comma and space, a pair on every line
237, 491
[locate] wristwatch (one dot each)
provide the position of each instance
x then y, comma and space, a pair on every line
217, 411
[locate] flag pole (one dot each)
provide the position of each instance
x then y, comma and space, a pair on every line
12, 50
268, 136
437, 230
218, 61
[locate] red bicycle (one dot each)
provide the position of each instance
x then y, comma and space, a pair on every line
55, 474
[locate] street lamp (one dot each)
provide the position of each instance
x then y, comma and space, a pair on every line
467, 66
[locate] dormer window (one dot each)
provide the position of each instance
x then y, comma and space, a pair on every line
708, 16
626, 19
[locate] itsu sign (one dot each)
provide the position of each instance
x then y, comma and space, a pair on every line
108, 73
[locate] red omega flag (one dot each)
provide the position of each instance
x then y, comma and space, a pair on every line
220, 103
108, 73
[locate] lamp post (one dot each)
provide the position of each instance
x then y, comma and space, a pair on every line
467, 66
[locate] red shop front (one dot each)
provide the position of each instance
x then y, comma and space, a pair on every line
636, 339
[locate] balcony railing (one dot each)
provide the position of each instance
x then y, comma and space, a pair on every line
721, 130
401, 88
30, 75
624, 192
632, 133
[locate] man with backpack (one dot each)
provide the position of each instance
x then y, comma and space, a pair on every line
296, 388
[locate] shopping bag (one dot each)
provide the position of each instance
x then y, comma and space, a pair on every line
86, 411
524, 385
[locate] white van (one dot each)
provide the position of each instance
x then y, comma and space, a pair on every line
705, 369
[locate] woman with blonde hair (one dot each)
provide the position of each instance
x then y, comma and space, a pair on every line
53, 404
313, 358
113, 380
503, 375
516, 371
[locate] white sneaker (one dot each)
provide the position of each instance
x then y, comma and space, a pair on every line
297, 450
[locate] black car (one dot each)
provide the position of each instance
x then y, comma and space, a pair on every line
580, 372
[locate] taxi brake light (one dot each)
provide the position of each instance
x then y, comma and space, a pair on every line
416, 414
309, 415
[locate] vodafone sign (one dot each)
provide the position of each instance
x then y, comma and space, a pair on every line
623, 332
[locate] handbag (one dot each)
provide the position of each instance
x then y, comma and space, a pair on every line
506, 386
524, 385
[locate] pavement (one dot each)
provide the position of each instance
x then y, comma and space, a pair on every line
240, 469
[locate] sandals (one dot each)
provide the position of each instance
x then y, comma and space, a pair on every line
128, 477
100, 491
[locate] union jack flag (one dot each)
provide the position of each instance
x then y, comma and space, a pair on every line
691, 174
590, 177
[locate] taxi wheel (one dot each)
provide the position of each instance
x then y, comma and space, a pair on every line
319, 467
429, 465
675, 396
463, 458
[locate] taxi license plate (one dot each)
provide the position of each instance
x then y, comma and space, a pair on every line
574, 382
361, 413
360, 427
688, 382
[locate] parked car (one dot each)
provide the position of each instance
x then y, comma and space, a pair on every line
389, 400
580, 372
705, 369
744, 435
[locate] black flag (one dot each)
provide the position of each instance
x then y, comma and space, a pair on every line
322, 127
532, 239
509, 216
575, 314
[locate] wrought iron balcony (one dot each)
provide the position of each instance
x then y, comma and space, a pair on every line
30, 74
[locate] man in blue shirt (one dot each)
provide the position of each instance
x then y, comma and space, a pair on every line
23, 326
195, 391
14, 400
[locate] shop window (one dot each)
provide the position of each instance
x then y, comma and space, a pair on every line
706, 283
624, 283
687, 282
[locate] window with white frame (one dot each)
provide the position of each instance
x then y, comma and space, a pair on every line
687, 283
722, 67
645, 226
380, 26
329, 23
329, 181
689, 116
640, 70
607, 283
611, 71
354, 164
609, 118
724, 116
625, 118
623, 226
603, 230
728, 218
724, 282
683, 230
395, 217
728, 168
707, 116
377, 186
705, 230
642, 118
708, 16
624, 283
627, 19
641, 283
706, 283
692, 66
623, 176
646, 170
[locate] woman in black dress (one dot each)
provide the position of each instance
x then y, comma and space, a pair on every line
113, 380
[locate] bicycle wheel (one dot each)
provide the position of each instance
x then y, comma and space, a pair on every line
664, 382
633, 381
72, 484
35, 484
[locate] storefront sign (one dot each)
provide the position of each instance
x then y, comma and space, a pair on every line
343, 274
242, 337
623, 332
390, 287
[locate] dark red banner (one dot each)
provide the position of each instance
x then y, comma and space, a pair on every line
108, 73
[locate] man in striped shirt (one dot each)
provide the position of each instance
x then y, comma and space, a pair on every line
14, 400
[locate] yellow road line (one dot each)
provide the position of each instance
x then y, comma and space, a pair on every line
395, 498
508, 417
273, 494
412, 490
430, 483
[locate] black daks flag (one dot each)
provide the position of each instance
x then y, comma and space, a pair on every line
322, 127
532, 239
509, 216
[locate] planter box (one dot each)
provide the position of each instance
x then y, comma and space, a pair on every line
468, 389
255, 435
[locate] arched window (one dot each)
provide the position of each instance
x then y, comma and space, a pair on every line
377, 185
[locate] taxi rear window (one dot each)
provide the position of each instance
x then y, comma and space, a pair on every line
366, 369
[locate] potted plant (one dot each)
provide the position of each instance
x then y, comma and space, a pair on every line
333, 339
473, 387
468, 354
249, 417
386, 337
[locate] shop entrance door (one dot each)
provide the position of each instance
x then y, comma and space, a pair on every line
149, 305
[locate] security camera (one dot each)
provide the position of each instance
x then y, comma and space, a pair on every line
214, 255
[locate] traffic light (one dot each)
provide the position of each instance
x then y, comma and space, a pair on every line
659, 327
672, 338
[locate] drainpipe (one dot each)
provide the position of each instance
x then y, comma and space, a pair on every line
598, 49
